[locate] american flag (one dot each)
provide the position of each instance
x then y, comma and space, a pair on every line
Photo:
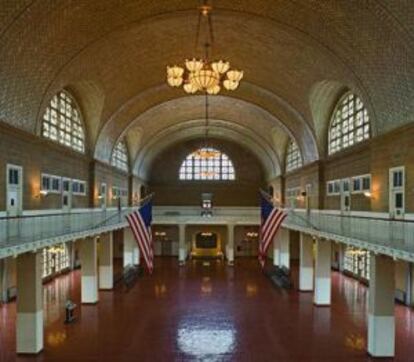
140, 223
272, 219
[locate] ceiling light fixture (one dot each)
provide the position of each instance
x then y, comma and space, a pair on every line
201, 74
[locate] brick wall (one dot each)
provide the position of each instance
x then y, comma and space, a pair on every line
169, 190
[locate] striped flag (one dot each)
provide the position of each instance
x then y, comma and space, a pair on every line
272, 219
140, 223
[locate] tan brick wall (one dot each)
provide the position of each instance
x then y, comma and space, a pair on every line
169, 190
38, 156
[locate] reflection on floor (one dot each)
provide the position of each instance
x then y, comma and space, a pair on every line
206, 313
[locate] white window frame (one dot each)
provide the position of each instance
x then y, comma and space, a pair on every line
51, 178
361, 180
79, 182
333, 183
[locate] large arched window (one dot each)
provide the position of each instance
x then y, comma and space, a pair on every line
120, 156
62, 122
293, 156
349, 125
207, 164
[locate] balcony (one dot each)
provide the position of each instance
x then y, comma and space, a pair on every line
27, 233
32, 232
381, 235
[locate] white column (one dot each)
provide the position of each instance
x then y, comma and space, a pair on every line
283, 235
106, 266
29, 329
135, 254
182, 248
89, 269
306, 263
129, 244
323, 259
230, 244
276, 251
381, 320
342, 248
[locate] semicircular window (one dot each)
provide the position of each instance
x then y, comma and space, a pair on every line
207, 164
349, 124
62, 122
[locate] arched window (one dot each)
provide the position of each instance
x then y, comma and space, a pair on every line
349, 125
293, 156
207, 164
120, 156
62, 122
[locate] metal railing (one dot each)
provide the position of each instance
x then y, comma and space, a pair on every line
20, 230
396, 234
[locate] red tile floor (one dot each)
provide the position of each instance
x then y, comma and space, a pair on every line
206, 313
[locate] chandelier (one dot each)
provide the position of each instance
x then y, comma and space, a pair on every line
201, 74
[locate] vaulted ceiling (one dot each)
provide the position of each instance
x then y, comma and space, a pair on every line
298, 57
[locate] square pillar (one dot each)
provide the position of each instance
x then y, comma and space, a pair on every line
89, 271
276, 251
306, 263
29, 329
230, 244
323, 260
284, 253
381, 320
129, 244
135, 255
182, 248
106, 265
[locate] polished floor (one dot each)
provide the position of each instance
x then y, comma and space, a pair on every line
206, 313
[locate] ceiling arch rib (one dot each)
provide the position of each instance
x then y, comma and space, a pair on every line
193, 130
236, 109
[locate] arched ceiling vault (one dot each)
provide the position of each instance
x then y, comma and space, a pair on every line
250, 116
113, 55
217, 130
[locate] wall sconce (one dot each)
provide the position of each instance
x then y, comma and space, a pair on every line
368, 194
42, 193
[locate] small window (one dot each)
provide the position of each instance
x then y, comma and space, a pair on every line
398, 179
13, 176
66, 185
361, 184
293, 157
78, 187
357, 185
349, 125
45, 182
334, 187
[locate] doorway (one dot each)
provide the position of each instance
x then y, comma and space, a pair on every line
397, 192
14, 192
345, 196
66, 194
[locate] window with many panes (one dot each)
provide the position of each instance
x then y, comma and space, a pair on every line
207, 164
62, 122
357, 262
55, 259
293, 156
120, 156
349, 125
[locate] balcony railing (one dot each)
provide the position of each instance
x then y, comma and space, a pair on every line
394, 234
17, 231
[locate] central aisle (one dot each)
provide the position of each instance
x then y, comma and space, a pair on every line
208, 313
